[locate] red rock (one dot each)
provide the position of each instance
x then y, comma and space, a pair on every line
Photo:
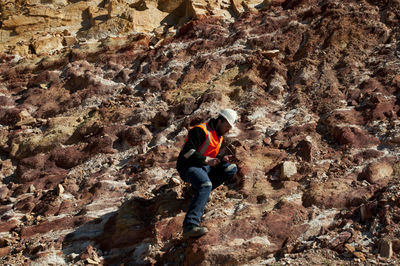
351, 117
354, 137
67, 206
335, 193
9, 116
137, 135
26, 205
187, 106
5, 101
168, 228
49, 181
5, 251
55, 225
338, 241
285, 222
290, 185
4, 209
9, 225
52, 78
3, 192
371, 85
33, 164
68, 157
100, 144
385, 248
129, 226
162, 120
260, 158
367, 211
305, 150
368, 154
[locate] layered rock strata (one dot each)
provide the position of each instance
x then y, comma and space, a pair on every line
90, 135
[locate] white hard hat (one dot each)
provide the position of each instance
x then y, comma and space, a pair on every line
230, 116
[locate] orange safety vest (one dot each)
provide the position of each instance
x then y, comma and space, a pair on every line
212, 144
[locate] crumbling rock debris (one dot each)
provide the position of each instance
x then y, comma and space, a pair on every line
97, 97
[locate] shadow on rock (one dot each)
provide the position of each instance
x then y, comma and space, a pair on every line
128, 234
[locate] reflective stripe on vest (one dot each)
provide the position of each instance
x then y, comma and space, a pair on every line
212, 144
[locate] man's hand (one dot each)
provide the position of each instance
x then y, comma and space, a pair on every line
212, 161
227, 158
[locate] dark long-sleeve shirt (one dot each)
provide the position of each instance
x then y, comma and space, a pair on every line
196, 138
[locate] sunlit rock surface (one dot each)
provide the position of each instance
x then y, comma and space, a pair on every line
97, 98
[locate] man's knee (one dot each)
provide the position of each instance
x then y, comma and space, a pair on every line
206, 184
231, 169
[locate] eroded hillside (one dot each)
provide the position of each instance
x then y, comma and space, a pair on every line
90, 134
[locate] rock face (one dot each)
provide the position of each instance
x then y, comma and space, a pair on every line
31, 28
97, 98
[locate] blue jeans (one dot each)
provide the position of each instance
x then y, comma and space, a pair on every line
203, 180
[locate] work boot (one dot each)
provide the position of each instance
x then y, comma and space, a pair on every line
192, 230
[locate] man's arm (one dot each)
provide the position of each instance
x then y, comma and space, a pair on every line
196, 138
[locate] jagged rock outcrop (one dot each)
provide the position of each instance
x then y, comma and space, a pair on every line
93, 114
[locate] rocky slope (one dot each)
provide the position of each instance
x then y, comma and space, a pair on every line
94, 111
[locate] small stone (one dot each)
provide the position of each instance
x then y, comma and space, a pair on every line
288, 169
359, 255
96, 257
175, 181
29, 217
90, 261
31, 189
267, 141
349, 248
271, 53
60, 190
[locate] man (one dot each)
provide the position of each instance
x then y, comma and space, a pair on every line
202, 165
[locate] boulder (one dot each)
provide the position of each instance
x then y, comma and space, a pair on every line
146, 20
46, 45
378, 173
135, 136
